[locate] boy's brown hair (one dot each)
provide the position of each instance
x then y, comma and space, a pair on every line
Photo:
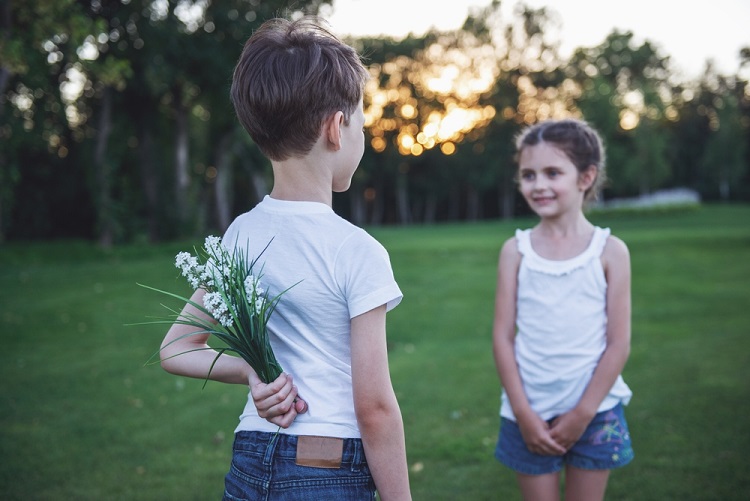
292, 76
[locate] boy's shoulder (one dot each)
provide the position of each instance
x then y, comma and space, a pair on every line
317, 222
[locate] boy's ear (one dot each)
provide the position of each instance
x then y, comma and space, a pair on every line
333, 130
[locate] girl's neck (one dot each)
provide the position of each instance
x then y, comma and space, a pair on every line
559, 240
572, 226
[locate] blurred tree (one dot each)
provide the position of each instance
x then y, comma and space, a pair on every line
116, 120
742, 92
40, 183
723, 163
526, 90
430, 102
712, 136
104, 60
624, 87
392, 107
133, 70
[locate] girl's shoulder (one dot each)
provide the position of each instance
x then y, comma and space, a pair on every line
615, 250
510, 255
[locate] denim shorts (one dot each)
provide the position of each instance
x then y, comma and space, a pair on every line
604, 445
263, 468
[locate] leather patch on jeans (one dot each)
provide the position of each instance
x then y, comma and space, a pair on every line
319, 452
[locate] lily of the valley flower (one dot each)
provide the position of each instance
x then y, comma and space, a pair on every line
233, 293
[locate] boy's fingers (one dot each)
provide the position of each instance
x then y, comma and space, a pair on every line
261, 391
277, 401
300, 405
285, 420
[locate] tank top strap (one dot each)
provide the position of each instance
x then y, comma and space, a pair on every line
599, 241
523, 240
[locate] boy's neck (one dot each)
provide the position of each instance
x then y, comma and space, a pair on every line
300, 181
292, 194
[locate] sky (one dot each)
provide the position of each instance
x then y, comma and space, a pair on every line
688, 32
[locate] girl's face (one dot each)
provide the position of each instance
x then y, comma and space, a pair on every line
550, 182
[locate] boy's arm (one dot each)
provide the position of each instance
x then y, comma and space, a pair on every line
179, 356
616, 260
534, 430
186, 354
375, 404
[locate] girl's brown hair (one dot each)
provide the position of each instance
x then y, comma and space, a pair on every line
577, 139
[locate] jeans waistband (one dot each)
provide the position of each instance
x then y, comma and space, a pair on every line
284, 446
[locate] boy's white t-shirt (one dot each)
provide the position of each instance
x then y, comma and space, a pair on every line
340, 272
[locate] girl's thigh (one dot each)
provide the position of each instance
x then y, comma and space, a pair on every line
585, 485
544, 487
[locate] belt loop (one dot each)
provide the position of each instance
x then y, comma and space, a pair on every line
356, 461
271, 448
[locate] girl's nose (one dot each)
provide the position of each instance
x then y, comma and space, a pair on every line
539, 183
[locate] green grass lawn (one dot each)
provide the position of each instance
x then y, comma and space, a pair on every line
82, 418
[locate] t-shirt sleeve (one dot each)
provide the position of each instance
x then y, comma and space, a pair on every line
365, 275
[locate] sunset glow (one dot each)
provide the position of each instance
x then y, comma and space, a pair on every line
453, 79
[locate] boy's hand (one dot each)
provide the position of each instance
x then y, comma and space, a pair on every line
276, 402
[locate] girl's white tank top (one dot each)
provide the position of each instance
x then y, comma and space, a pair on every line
561, 319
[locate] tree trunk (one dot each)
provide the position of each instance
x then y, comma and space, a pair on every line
377, 204
473, 209
182, 171
2, 225
103, 176
357, 206
259, 185
454, 204
402, 198
507, 196
5, 27
223, 185
430, 207
149, 179
724, 189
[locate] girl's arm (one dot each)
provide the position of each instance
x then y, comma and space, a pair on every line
191, 356
616, 261
534, 430
376, 407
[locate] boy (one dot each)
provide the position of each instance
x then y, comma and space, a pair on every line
297, 90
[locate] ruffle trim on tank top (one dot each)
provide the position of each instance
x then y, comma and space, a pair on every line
535, 262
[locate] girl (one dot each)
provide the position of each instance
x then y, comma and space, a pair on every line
561, 333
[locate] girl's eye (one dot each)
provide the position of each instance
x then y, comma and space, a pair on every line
527, 176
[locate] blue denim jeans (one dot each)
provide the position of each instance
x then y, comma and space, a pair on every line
264, 469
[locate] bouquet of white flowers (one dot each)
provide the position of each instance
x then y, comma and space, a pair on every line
235, 298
